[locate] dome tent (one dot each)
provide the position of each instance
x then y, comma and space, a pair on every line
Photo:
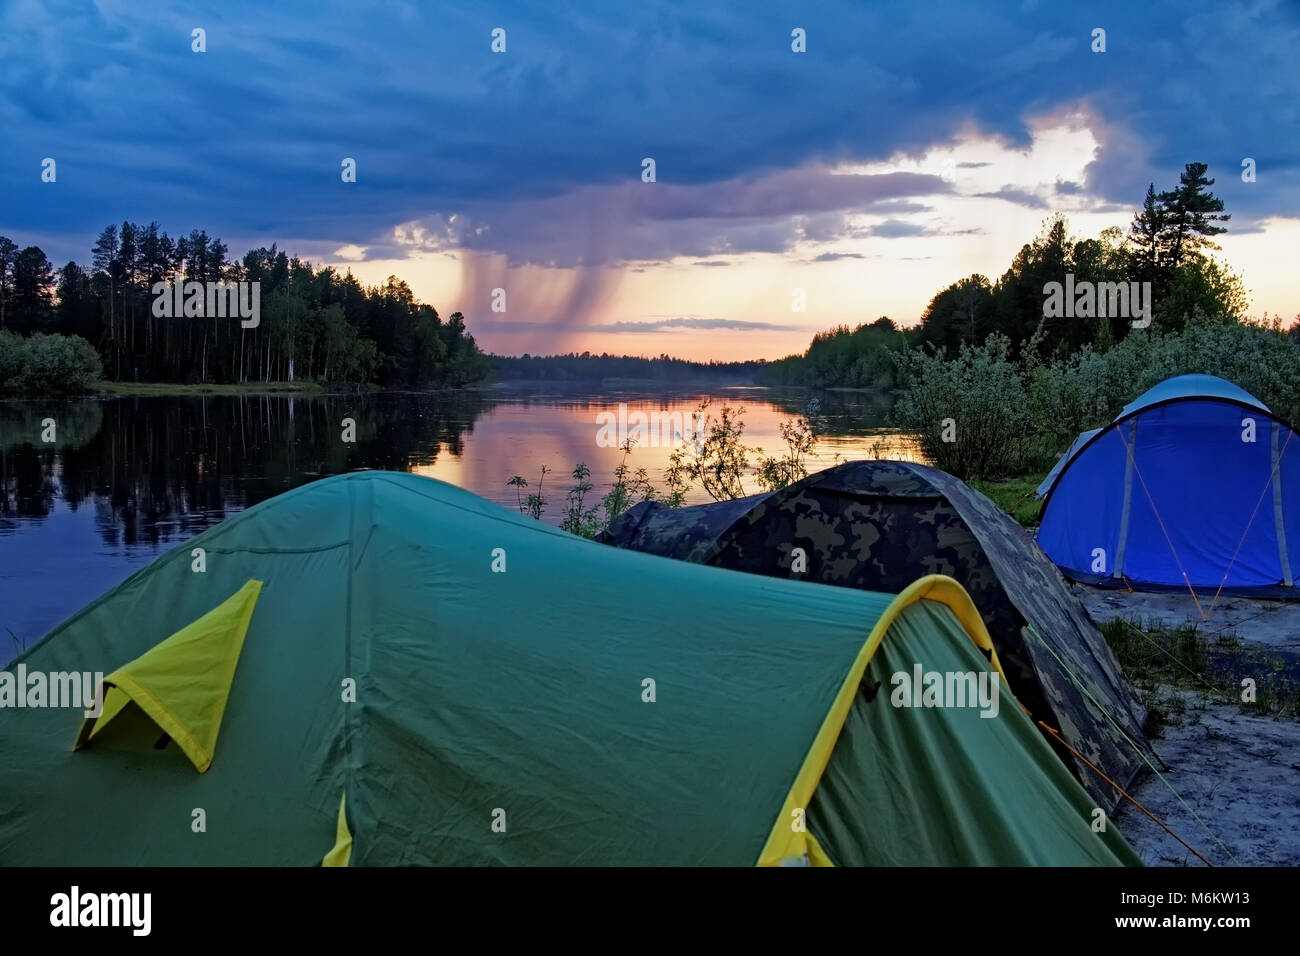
1194, 484
376, 668
877, 525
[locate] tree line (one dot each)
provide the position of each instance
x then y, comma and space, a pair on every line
325, 326
590, 369
844, 357
1168, 244
316, 324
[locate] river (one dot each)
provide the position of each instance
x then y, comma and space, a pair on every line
126, 479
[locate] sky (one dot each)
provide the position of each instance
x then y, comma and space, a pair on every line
906, 147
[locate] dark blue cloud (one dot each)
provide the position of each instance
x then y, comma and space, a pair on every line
246, 139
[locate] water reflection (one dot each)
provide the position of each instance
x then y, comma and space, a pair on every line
125, 479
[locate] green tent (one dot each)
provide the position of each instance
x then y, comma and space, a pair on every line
880, 525
380, 668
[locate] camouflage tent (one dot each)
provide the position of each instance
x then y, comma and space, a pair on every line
878, 525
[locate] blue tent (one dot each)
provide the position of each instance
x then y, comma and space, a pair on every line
1190, 485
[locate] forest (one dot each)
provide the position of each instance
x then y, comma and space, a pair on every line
316, 324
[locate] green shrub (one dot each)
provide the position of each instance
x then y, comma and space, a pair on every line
13, 362
47, 365
971, 412
1013, 416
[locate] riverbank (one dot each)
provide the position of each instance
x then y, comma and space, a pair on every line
238, 388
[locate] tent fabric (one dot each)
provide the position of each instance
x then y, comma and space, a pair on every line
878, 525
184, 682
428, 678
1191, 386
341, 852
1080, 440
902, 764
786, 842
1194, 484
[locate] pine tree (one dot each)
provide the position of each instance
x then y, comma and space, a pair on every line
1191, 212
33, 288
8, 253
1148, 235
104, 262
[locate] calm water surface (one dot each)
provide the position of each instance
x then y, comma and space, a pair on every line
130, 478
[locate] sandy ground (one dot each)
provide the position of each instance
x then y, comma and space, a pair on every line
1238, 773
1272, 623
